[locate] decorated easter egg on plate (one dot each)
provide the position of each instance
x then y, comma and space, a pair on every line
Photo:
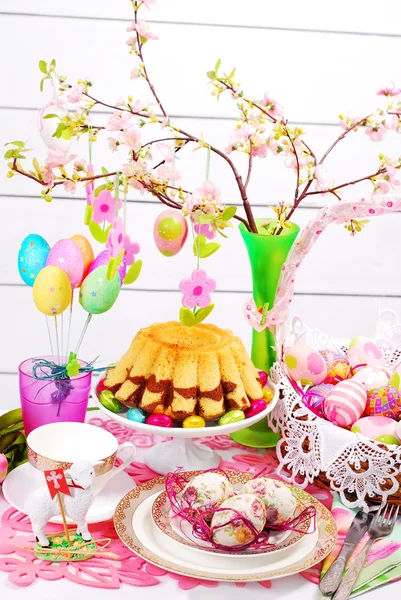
230, 523
339, 369
314, 398
159, 420
384, 401
32, 257
363, 352
381, 429
373, 377
207, 491
278, 499
170, 232
345, 403
305, 364
395, 378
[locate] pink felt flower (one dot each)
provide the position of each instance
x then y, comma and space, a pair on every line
131, 248
206, 230
118, 121
115, 240
389, 90
143, 30
197, 289
104, 207
112, 143
75, 94
131, 137
57, 158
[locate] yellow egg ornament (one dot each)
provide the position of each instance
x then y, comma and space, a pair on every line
52, 291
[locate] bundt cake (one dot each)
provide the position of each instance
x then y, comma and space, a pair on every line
183, 371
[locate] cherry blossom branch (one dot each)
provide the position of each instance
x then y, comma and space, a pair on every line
242, 221
343, 185
341, 137
247, 100
297, 161
248, 177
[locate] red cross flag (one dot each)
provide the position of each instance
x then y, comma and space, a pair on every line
56, 482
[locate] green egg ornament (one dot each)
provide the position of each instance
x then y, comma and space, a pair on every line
232, 416
107, 399
170, 232
98, 294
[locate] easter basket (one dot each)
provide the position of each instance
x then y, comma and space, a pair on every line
312, 449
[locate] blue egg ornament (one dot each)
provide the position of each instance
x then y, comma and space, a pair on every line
136, 414
32, 257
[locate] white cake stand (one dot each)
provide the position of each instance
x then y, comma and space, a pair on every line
182, 451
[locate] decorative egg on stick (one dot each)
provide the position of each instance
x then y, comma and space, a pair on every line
86, 252
66, 255
103, 259
32, 257
363, 352
170, 232
304, 364
52, 291
98, 294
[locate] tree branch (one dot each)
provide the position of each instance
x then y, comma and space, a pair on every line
341, 137
297, 161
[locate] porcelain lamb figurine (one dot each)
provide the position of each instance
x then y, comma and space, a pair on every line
40, 508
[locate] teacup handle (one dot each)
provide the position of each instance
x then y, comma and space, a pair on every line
127, 461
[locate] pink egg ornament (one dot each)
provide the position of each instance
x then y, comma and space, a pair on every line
363, 352
170, 232
103, 259
66, 255
346, 403
372, 377
159, 420
257, 406
305, 364
380, 429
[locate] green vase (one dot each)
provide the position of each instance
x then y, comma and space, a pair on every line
267, 254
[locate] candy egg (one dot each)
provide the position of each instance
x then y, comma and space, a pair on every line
229, 524
372, 377
136, 414
107, 399
232, 416
339, 369
159, 420
256, 407
314, 398
3, 467
395, 379
304, 364
100, 386
384, 401
207, 491
267, 395
363, 352
345, 403
193, 421
263, 378
32, 257
380, 429
275, 495
170, 232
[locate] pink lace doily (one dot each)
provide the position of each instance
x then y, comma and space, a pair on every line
24, 568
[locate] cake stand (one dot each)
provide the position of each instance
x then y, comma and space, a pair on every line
182, 451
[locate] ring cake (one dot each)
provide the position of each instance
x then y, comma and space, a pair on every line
182, 371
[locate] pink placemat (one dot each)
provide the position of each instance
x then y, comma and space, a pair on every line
24, 568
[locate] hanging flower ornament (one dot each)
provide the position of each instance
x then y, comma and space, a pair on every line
261, 131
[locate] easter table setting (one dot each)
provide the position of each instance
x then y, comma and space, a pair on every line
189, 461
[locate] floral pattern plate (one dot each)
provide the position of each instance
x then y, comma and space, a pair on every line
134, 525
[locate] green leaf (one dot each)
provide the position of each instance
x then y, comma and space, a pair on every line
199, 241
133, 272
51, 116
17, 144
202, 313
228, 213
41, 84
188, 318
104, 171
97, 190
204, 219
97, 232
66, 135
10, 154
43, 67
211, 75
209, 249
88, 214
53, 63
217, 66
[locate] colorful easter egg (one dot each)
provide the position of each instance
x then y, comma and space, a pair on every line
381, 429
98, 294
86, 251
47, 127
193, 421
232, 416
66, 255
52, 291
267, 395
275, 495
384, 401
32, 257
314, 398
373, 377
3, 467
230, 523
263, 378
345, 403
136, 414
363, 352
207, 491
395, 378
108, 400
304, 364
159, 420
170, 232
103, 260
339, 369
257, 406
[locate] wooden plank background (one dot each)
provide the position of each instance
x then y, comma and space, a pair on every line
320, 59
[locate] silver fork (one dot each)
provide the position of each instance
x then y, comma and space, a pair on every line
381, 526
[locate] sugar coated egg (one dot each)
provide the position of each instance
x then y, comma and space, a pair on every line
363, 352
267, 395
256, 407
3, 467
232, 416
372, 377
345, 403
229, 524
384, 401
170, 232
193, 421
107, 399
305, 364
159, 420
381, 429
136, 414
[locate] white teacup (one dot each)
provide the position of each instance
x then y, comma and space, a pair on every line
58, 445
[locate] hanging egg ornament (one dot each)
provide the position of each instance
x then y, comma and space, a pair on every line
345, 403
314, 398
103, 259
373, 377
384, 401
380, 429
47, 127
66, 255
98, 294
395, 378
339, 369
32, 257
86, 251
304, 364
170, 232
52, 291
363, 352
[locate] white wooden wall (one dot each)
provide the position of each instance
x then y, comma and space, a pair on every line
321, 58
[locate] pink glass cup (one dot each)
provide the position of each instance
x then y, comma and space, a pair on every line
46, 401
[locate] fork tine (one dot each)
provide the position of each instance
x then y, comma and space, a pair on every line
380, 514
389, 515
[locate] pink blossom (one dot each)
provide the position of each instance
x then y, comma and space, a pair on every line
273, 106
119, 120
376, 132
131, 248
206, 230
112, 143
348, 121
166, 151
134, 73
209, 193
321, 179
143, 30
259, 150
389, 90
131, 41
137, 106
168, 173
392, 176
391, 122
75, 94
131, 138
115, 240
80, 164
70, 186
135, 168
381, 186
47, 176
57, 158
104, 207
196, 291
272, 144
